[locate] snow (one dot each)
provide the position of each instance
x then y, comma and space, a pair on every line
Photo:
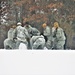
22, 46
37, 62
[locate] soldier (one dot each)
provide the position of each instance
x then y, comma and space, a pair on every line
34, 31
29, 28
31, 31
47, 34
37, 41
9, 43
58, 36
21, 34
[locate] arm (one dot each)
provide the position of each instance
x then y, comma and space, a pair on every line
26, 33
59, 34
14, 33
31, 42
47, 31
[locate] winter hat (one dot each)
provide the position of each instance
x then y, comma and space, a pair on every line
19, 23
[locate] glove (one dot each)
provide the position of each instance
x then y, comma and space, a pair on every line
14, 39
28, 39
54, 36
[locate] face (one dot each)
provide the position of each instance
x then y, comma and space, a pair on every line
56, 25
27, 25
44, 27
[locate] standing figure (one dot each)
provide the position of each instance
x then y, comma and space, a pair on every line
29, 28
9, 43
21, 34
58, 36
47, 34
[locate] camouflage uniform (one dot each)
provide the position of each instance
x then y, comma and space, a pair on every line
37, 42
35, 31
9, 43
29, 29
47, 33
21, 34
58, 38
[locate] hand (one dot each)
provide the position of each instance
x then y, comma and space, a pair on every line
14, 38
28, 39
54, 36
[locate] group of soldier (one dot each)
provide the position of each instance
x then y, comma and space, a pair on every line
51, 38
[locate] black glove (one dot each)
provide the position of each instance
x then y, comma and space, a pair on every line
54, 36
28, 39
14, 39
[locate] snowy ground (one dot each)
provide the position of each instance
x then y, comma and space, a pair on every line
37, 62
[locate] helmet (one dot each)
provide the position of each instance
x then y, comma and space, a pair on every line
44, 25
19, 23
56, 25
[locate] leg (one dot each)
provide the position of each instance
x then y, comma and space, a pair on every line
48, 44
60, 45
17, 44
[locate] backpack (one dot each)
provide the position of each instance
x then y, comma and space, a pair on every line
65, 45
